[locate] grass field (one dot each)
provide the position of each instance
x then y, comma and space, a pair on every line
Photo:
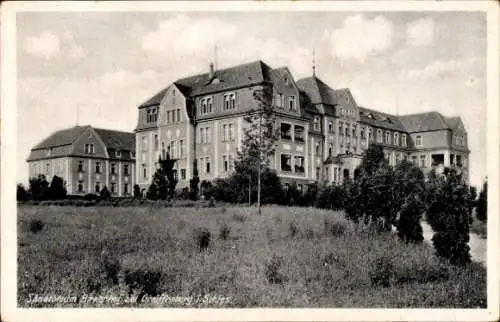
287, 257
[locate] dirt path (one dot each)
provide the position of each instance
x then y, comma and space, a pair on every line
477, 245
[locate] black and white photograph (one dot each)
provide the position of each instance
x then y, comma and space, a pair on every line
252, 155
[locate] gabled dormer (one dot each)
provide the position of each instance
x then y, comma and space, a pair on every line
286, 94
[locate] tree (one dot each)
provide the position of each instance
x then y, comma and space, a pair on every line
21, 194
448, 213
39, 187
57, 189
152, 192
193, 183
408, 191
482, 203
167, 166
137, 192
104, 193
259, 143
372, 159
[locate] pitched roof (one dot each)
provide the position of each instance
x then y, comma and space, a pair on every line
317, 90
422, 122
223, 79
452, 121
379, 119
117, 140
61, 137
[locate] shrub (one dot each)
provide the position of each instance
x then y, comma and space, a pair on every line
104, 193
57, 189
193, 183
333, 228
39, 188
137, 192
272, 272
224, 232
35, 225
211, 202
202, 238
293, 229
90, 197
21, 194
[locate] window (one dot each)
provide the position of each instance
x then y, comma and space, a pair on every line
286, 130
80, 186
317, 126
97, 167
225, 162
113, 187
362, 133
317, 149
370, 134
206, 107
379, 136
47, 168
291, 103
144, 171
80, 166
89, 148
208, 166
97, 187
179, 113
205, 135
396, 138
228, 130
168, 116
347, 130
175, 174
286, 164
209, 135
330, 127
151, 114
423, 162
118, 154
354, 131
156, 142
318, 173
229, 101
125, 188
278, 100
144, 143
418, 140
173, 144
125, 169
403, 140
299, 164
182, 151
330, 150
341, 128
299, 133
183, 174
113, 168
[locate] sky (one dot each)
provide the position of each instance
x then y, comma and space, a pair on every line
105, 64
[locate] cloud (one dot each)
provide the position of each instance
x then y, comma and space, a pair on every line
420, 32
184, 41
442, 69
46, 45
360, 38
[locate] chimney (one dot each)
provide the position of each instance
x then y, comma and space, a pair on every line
211, 71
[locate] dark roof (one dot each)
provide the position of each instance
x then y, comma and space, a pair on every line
422, 122
379, 119
228, 78
333, 160
224, 79
317, 90
117, 140
61, 137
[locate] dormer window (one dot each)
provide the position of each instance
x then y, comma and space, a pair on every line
118, 154
206, 106
316, 124
286, 80
151, 114
418, 140
370, 116
89, 148
403, 140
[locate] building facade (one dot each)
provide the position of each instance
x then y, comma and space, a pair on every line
323, 131
87, 159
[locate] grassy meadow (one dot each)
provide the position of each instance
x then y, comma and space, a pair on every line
286, 257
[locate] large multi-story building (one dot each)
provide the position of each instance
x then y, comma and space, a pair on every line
323, 131
87, 159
